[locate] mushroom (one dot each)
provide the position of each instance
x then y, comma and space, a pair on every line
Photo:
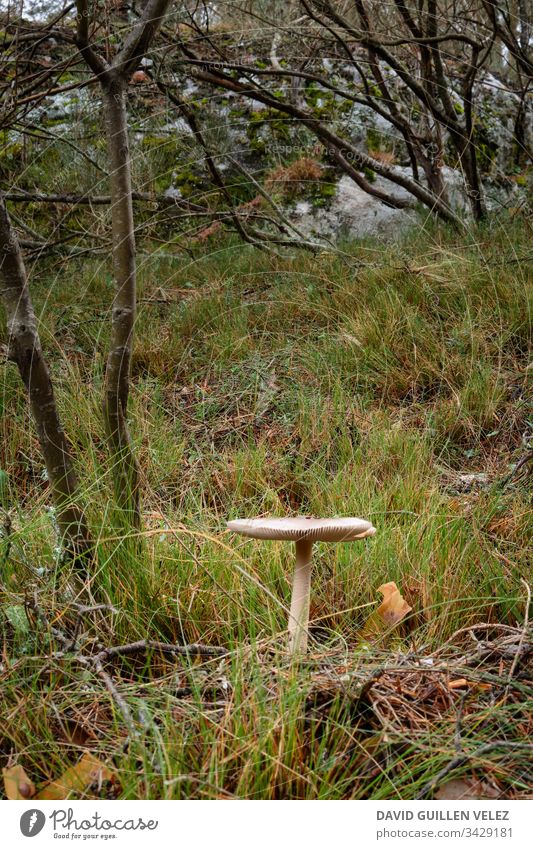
304, 530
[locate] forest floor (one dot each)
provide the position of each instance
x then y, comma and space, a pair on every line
387, 383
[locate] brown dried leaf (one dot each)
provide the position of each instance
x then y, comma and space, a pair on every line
392, 610
89, 770
17, 784
459, 788
394, 607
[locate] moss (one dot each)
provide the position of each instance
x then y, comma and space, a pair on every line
272, 121
324, 193
187, 181
255, 116
67, 77
151, 142
486, 145
258, 145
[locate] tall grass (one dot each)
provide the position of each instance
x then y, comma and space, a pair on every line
368, 384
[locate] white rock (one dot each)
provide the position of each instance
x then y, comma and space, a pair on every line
173, 192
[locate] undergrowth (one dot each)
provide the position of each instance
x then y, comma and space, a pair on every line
389, 383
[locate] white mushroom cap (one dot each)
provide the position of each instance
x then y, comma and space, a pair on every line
304, 528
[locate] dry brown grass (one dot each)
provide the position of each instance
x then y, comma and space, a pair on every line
384, 156
290, 180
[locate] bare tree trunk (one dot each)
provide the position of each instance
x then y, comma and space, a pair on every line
436, 182
525, 15
117, 381
24, 349
113, 78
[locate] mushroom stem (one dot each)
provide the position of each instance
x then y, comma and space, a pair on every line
301, 589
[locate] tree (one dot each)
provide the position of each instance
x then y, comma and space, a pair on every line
24, 349
24, 346
415, 65
113, 78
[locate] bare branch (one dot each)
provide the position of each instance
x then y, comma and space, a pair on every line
95, 62
137, 43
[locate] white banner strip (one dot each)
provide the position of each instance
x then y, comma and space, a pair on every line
257, 824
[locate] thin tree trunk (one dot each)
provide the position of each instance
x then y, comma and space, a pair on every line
126, 474
114, 79
435, 180
521, 152
466, 155
24, 349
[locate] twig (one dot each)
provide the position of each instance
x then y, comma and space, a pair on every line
527, 458
192, 650
306, 243
40, 132
114, 693
479, 626
22, 196
96, 665
96, 662
82, 610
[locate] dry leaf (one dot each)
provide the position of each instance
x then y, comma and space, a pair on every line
17, 784
89, 770
392, 610
394, 607
459, 788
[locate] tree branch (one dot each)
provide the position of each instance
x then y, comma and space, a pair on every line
98, 65
137, 43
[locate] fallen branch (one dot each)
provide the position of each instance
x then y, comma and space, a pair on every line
96, 661
98, 200
192, 650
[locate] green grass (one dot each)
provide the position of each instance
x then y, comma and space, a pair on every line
326, 385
